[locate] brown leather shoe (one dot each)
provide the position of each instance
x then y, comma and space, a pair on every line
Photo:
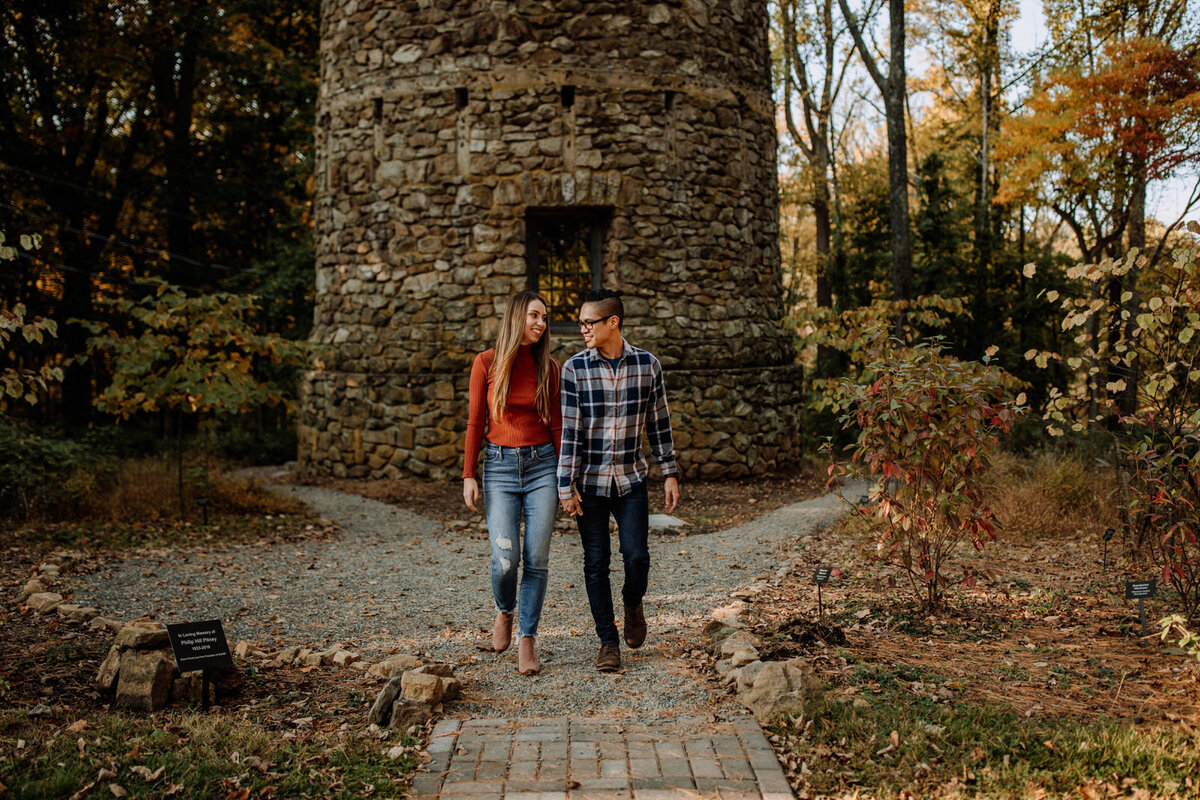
527, 660
609, 659
635, 626
502, 632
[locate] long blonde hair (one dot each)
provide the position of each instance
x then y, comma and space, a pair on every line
512, 329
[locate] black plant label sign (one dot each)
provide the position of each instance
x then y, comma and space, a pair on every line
822, 574
1136, 590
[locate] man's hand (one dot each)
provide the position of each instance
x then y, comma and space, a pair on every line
671, 493
571, 505
471, 493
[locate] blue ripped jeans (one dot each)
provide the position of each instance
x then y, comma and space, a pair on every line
519, 483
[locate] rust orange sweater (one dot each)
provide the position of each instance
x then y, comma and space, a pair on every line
521, 425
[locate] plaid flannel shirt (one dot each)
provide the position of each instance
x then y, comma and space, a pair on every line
603, 415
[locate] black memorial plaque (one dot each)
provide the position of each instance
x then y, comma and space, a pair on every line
1137, 590
1108, 534
822, 574
199, 645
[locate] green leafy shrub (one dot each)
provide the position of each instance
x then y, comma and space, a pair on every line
16, 382
1142, 378
189, 355
1174, 628
929, 426
37, 471
860, 334
239, 445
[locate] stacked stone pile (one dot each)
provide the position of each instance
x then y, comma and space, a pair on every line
770, 689
37, 594
414, 691
336, 655
140, 670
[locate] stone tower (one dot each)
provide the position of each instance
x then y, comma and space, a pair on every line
469, 149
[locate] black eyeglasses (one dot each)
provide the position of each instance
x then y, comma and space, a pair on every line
587, 324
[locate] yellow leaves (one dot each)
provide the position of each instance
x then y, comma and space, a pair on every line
1076, 319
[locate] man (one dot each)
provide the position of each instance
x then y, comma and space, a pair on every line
611, 392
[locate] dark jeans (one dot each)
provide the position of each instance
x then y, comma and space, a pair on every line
632, 513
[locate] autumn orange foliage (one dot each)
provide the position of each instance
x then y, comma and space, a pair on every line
1093, 136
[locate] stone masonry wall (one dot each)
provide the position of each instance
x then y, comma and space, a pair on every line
441, 123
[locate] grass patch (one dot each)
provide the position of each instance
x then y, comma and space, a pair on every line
147, 489
165, 533
97, 479
1052, 494
903, 742
892, 676
134, 503
199, 755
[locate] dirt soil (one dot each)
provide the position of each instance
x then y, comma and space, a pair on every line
50, 661
1051, 634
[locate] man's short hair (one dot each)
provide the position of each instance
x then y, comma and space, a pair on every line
609, 302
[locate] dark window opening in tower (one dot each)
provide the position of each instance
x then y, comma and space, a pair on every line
568, 96
668, 100
461, 97
378, 110
563, 256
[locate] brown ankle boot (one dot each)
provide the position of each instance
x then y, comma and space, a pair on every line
609, 659
502, 632
527, 660
635, 625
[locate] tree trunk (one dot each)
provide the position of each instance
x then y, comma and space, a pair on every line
823, 222
179, 459
77, 377
174, 69
894, 91
1130, 370
893, 103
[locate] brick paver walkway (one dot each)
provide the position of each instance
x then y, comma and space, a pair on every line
594, 759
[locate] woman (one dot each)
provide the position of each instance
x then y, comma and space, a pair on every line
514, 397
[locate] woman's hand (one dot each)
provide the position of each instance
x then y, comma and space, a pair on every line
572, 506
471, 493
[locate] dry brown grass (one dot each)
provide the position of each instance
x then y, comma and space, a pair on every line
147, 490
245, 496
1052, 494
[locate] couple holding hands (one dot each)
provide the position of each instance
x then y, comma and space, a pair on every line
569, 437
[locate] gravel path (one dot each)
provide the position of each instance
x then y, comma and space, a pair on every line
397, 580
